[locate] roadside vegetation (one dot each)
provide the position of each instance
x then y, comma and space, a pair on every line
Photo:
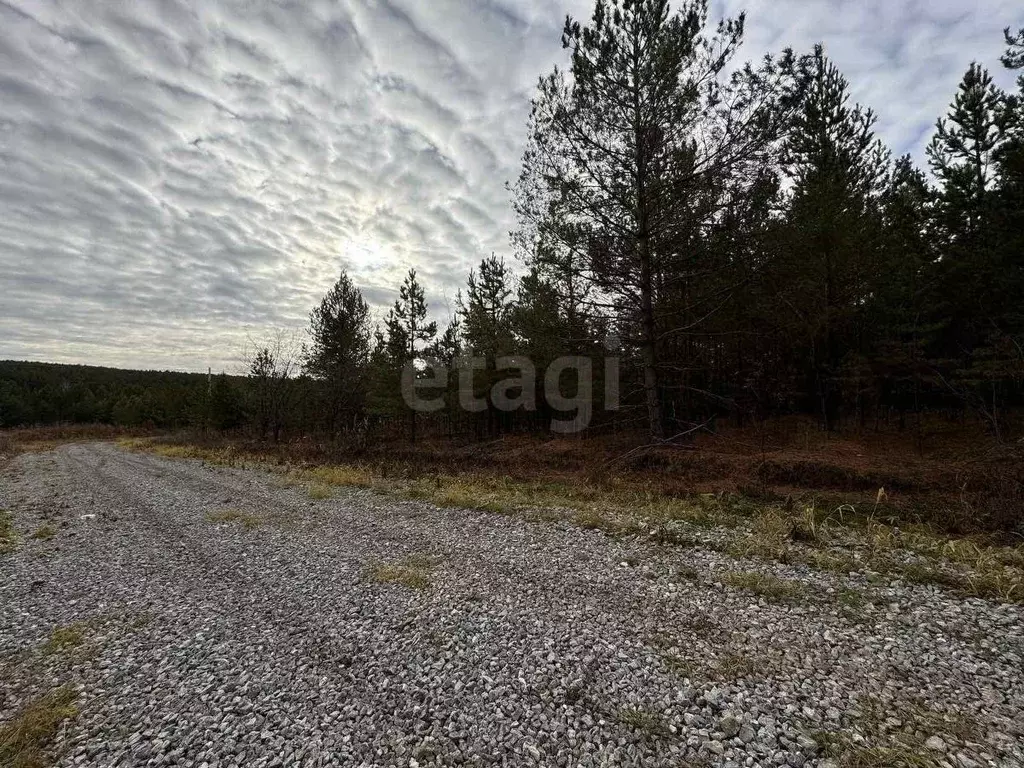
919, 736
26, 740
234, 516
8, 538
65, 639
928, 538
413, 572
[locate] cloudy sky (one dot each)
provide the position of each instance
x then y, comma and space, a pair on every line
176, 175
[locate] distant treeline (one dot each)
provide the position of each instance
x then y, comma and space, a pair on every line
737, 235
44, 393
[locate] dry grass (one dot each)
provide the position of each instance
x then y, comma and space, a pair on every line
320, 492
733, 665
765, 585
649, 723
64, 639
42, 439
8, 539
842, 538
44, 532
413, 578
413, 572
878, 746
234, 516
348, 476
730, 666
847, 753
25, 740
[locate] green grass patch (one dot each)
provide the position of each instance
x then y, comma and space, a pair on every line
25, 740
64, 639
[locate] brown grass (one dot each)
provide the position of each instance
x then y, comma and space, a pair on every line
880, 747
413, 572
8, 538
39, 439
766, 586
545, 480
25, 740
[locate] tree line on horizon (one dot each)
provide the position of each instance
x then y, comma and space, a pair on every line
736, 233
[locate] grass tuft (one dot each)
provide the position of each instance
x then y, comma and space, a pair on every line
413, 578
44, 532
732, 666
8, 540
25, 740
765, 585
320, 492
412, 572
231, 516
649, 723
65, 639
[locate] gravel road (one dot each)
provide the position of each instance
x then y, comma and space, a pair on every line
272, 640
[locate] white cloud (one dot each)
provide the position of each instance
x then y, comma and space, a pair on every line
175, 175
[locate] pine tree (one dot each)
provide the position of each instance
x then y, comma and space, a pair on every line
1014, 56
446, 353
486, 325
964, 150
829, 263
1011, 155
486, 311
541, 329
340, 350
646, 139
979, 274
901, 300
409, 333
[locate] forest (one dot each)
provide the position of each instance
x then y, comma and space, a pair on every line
735, 234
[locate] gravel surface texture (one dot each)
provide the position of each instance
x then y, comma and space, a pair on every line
222, 619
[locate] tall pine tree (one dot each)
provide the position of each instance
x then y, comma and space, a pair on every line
830, 255
640, 144
339, 328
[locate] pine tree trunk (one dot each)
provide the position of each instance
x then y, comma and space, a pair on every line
655, 414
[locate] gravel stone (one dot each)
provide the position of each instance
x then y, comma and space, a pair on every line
223, 644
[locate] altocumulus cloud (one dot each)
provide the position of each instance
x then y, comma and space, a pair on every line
175, 175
